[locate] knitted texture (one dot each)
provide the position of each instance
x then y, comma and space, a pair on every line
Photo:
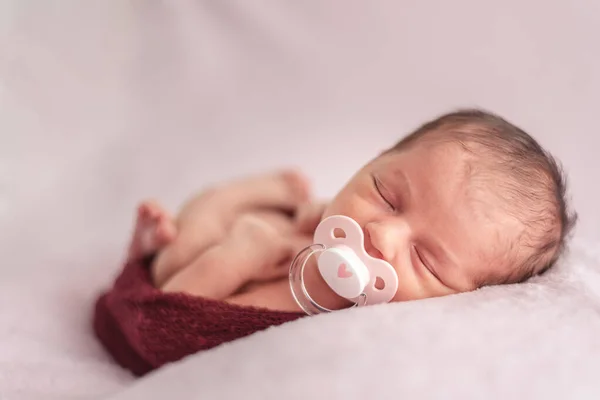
144, 328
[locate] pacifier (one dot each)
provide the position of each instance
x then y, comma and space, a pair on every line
345, 266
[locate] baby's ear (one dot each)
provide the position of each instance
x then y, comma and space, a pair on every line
308, 216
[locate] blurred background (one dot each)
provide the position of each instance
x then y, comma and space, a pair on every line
105, 103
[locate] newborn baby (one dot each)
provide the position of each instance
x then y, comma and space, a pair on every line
465, 201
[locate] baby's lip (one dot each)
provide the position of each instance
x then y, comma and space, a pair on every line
370, 249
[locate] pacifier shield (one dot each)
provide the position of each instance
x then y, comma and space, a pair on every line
376, 278
344, 265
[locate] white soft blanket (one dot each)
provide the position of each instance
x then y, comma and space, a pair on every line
534, 341
106, 103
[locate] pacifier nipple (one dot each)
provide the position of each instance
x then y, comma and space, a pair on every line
344, 265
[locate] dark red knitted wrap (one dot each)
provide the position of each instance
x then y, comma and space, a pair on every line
144, 328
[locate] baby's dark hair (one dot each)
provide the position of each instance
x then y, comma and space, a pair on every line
532, 184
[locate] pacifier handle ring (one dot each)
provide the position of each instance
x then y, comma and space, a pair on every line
361, 301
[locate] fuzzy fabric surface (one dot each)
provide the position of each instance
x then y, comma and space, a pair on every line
532, 341
144, 328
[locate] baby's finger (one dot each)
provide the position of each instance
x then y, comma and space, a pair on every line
279, 271
281, 250
298, 243
309, 216
280, 221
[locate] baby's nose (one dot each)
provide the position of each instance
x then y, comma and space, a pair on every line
383, 239
371, 244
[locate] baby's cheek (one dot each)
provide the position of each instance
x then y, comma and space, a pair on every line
364, 210
342, 205
413, 283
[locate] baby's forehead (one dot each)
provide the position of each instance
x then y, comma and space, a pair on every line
447, 161
463, 166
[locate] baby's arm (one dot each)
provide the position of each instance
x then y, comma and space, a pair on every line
207, 218
254, 250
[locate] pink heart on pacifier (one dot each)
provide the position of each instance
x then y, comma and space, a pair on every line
343, 271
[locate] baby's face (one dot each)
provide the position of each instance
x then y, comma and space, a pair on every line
418, 214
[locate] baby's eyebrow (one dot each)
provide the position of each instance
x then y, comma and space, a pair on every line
400, 181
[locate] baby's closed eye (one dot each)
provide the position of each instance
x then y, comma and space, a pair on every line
383, 194
425, 263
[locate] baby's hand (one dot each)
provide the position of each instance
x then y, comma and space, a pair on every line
264, 251
277, 266
308, 217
